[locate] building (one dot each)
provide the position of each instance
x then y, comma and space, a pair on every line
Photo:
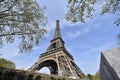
110, 64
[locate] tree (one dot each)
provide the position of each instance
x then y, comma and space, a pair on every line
23, 20
97, 76
90, 77
6, 63
79, 10
82, 75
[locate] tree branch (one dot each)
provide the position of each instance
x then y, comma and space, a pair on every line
2, 0
23, 33
14, 3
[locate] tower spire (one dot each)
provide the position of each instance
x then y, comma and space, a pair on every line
57, 30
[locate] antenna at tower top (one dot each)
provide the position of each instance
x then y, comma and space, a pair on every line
57, 30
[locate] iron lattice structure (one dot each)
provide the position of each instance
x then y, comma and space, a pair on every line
59, 61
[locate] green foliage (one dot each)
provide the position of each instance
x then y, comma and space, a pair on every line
93, 77
30, 77
82, 75
10, 73
96, 76
6, 63
52, 78
79, 10
63, 79
38, 77
23, 20
90, 77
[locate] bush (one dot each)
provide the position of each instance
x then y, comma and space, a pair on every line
90, 77
82, 75
30, 77
6, 63
38, 77
52, 78
63, 78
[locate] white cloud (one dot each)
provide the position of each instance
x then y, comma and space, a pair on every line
72, 35
75, 34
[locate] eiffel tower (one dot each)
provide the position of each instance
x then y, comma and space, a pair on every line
58, 60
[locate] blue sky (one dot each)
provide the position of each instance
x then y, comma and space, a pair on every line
84, 41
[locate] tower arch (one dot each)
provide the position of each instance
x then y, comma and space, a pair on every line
51, 65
